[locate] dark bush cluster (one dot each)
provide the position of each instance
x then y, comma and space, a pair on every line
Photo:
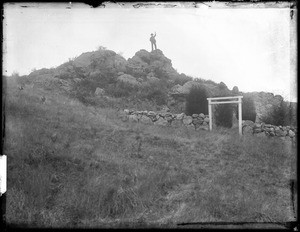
277, 116
248, 109
196, 101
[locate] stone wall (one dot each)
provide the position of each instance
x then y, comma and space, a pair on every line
196, 121
201, 122
262, 129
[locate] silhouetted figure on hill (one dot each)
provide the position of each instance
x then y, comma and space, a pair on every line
153, 41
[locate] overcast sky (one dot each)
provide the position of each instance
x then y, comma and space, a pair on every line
249, 48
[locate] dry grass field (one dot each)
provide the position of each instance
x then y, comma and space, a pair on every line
71, 165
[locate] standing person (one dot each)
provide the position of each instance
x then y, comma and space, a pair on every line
153, 41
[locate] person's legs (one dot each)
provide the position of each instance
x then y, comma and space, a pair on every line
155, 46
151, 46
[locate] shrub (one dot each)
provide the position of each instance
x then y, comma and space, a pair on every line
248, 109
196, 101
154, 91
277, 115
223, 115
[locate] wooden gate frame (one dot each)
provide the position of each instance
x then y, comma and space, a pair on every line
212, 102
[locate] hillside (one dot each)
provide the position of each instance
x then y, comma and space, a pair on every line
78, 165
147, 81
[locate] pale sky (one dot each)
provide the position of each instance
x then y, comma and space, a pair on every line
250, 48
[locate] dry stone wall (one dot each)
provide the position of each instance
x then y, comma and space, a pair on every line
262, 129
196, 121
201, 122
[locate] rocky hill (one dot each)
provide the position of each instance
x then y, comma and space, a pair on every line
146, 77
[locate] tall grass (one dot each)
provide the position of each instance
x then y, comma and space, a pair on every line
71, 165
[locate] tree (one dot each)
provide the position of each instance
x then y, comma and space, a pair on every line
224, 112
223, 115
277, 115
248, 109
196, 101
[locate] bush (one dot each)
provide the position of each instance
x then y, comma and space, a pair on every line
248, 109
121, 89
154, 91
277, 115
223, 115
196, 101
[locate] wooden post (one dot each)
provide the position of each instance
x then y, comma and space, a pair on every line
240, 116
210, 115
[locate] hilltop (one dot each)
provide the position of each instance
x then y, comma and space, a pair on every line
147, 80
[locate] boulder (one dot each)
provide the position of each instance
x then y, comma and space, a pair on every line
133, 118
202, 115
201, 127
206, 120
291, 134
99, 91
180, 116
126, 111
195, 115
177, 123
161, 122
187, 120
247, 129
126, 78
257, 130
145, 120
248, 123
261, 134
190, 126
197, 121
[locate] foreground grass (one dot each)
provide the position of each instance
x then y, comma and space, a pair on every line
70, 165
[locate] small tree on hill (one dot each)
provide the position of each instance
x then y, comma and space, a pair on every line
248, 109
196, 101
277, 115
224, 112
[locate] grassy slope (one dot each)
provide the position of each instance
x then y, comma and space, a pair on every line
72, 165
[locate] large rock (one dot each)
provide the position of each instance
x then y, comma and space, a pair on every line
133, 118
99, 91
177, 123
161, 122
206, 120
126, 78
197, 121
247, 129
180, 116
187, 120
248, 123
291, 133
145, 120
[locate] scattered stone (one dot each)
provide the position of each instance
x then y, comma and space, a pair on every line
190, 126
145, 120
99, 91
248, 123
177, 123
194, 115
133, 118
206, 120
126, 111
247, 129
291, 134
202, 115
201, 127
180, 116
161, 122
187, 120
261, 134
